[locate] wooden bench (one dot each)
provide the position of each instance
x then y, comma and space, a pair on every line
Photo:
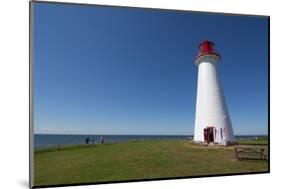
250, 153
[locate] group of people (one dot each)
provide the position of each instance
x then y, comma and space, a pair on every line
91, 140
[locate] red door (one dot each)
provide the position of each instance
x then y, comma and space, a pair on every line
209, 134
206, 135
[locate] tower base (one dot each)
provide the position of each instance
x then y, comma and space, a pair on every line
227, 143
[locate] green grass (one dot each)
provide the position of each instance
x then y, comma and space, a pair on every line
136, 160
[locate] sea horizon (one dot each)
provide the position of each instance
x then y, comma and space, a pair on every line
53, 140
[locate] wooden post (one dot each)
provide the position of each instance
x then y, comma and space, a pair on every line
262, 150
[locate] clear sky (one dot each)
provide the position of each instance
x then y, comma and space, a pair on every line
105, 70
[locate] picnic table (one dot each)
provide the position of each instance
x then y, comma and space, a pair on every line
250, 153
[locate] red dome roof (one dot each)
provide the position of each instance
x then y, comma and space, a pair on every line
207, 47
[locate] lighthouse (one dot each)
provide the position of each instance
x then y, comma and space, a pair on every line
212, 120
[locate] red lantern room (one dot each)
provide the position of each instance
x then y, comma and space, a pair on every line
207, 47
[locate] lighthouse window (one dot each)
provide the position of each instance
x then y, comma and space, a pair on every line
221, 132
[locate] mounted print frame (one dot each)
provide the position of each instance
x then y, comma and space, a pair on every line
127, 94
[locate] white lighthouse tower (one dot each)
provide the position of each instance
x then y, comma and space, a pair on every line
212, 120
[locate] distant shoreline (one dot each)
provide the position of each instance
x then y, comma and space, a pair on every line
42, 141
247, 141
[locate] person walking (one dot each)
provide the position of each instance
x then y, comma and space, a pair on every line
93, 140
101, 140
87, 140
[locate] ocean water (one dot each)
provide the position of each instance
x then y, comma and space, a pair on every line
48, 140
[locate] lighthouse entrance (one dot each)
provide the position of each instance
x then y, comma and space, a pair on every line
209, 134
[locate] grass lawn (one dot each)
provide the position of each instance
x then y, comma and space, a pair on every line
138, 160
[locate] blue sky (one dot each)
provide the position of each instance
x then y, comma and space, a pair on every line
105, 70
